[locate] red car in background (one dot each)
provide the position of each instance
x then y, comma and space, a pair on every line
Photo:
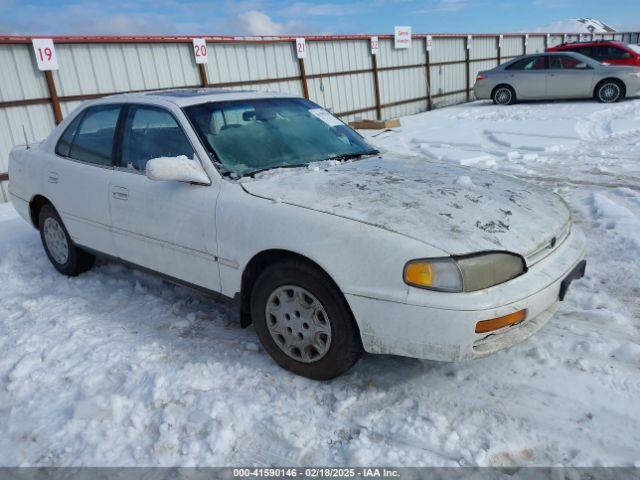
604, 51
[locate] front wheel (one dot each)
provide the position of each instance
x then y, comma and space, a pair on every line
504, 95
65, 256
303, 321
609, 91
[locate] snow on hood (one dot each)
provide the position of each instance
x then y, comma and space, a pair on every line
456, 209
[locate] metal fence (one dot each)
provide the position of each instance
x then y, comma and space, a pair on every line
339, 73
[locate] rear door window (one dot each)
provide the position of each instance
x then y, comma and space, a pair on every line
530, 63
90, 137
64, 144
151, 132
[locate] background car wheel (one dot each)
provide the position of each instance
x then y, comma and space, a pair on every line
63, 254
303, 321
610, 91
504, 95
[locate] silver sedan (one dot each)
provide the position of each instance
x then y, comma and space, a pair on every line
561, 75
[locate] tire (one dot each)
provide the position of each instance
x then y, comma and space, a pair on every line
65, 256
303, 321
610, 91
504, 95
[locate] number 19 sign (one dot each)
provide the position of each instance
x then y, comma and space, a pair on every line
45, 54
200, 50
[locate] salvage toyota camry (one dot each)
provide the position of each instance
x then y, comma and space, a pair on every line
329, 247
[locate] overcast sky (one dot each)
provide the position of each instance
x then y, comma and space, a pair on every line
270, 17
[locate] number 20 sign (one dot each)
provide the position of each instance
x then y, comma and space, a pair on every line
200, 50
45, 54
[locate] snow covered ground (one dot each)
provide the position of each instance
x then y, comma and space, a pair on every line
116, 367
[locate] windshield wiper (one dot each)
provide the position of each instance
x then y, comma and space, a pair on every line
341, 157
350, 156
274, 167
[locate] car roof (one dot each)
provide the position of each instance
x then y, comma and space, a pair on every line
554, 54
589, 43
184, 97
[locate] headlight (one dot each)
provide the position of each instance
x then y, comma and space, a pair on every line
465, 273
635, 74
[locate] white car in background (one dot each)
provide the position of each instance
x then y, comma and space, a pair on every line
329, 247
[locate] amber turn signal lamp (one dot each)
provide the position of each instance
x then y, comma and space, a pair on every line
418, 273
514, 318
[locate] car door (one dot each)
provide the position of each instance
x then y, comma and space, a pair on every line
528, 77
78, 173
166, 226
569, 78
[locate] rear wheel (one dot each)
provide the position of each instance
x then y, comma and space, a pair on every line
610, 91
504, 95
65, 256
303, 321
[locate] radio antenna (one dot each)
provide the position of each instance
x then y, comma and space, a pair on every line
24, 132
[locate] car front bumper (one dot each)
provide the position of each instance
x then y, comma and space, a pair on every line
441, 326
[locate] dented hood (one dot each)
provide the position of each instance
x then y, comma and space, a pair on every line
457, 209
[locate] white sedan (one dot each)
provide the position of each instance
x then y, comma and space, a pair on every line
328, 247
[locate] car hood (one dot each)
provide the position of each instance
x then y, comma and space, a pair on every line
456, 209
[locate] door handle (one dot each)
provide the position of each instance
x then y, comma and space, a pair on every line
120, 193
53, 177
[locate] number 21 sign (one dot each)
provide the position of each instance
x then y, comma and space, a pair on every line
200, 50
45, 54
301, 50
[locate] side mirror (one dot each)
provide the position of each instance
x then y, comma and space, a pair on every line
178, 169
582, 65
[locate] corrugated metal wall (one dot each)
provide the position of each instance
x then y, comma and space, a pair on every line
339, 73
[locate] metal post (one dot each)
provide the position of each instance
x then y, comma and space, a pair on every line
376, 86
203, 74
468, 67
499, 47
428, 66
524, 44
303, 78
53, 95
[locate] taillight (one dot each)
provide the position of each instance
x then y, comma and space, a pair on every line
480, 77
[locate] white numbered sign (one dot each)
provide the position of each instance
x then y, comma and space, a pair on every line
429, 43
301, 48
200, 50
402, 37
45, 54
500, 41
469, 39
374, 45
526, 40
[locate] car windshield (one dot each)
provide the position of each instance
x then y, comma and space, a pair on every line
635, 48
247, 136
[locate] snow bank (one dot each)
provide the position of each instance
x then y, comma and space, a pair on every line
576, 25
